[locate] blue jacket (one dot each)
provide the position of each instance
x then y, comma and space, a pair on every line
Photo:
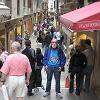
61, 54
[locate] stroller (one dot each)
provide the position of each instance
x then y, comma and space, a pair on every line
36, 79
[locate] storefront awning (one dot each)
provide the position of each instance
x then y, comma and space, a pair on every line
83, 19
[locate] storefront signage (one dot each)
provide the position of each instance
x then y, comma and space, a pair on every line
89, 25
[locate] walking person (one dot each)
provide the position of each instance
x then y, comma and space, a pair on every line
47, 39
38, 67
89, 52
30, 53
3, 55
57, 35
54, 60
76, 66
13, 72
39, 41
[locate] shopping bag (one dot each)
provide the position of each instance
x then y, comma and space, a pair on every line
67, 82
4, 92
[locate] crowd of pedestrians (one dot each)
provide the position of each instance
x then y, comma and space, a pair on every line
45, 32
81, 64
26, 65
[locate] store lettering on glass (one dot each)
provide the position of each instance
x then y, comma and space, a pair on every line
89, 24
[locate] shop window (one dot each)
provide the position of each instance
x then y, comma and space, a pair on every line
2, 40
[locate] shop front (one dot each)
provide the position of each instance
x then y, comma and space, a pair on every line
79, 37
28, 24
10, 32
85, 24
2, 38
2, 35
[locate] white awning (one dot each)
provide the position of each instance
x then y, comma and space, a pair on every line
4, 10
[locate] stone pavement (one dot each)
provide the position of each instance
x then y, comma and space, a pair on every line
65, 94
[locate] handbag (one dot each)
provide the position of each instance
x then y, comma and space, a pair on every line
4, 92
67, 82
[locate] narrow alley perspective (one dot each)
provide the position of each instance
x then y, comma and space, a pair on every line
49, 49
64, 91
38, 94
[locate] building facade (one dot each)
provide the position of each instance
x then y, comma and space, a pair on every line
23, 14
94, 36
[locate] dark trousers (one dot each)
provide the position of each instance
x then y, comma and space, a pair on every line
38, 78
86, 77
32, 81
57, 75
78, 77
35, 80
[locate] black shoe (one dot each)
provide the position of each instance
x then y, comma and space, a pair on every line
85, 90
77, 93
30, 94
71, 91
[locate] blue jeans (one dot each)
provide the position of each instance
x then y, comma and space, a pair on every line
57, 75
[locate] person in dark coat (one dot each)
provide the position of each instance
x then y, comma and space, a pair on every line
48, 39
80, 3
39, 39
38, 67
77, 64
30, 53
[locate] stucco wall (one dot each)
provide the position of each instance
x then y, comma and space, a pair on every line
96, 72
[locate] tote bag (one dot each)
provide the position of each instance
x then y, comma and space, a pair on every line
4, 92
67, 82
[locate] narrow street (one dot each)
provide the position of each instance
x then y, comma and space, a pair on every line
65, 93
72, 25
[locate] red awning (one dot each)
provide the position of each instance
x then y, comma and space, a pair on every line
86, 18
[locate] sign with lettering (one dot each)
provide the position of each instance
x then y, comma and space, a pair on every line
88, 25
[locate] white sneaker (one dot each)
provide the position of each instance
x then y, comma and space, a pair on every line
59, 95
46, 94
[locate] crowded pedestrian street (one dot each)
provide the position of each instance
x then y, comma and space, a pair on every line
64, 91
49, 49
38, 95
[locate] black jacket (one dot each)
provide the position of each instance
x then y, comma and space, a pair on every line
30, 53
39, 59
77, 62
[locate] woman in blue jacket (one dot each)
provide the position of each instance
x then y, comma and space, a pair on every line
54, 61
